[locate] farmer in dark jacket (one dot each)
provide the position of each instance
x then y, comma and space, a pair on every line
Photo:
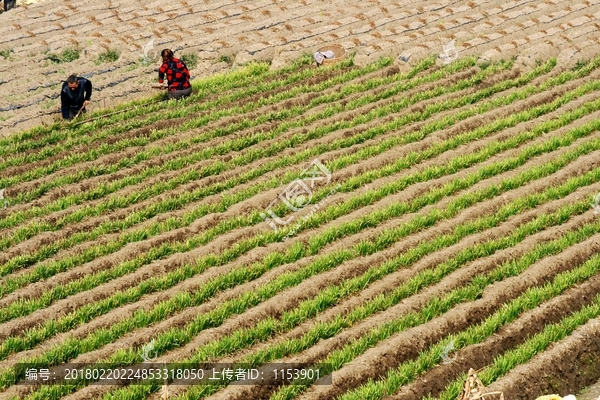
178, 76
74, 96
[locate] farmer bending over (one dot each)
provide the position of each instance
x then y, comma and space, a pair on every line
178, 76
74, 96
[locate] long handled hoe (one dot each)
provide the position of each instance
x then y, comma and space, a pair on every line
79, 112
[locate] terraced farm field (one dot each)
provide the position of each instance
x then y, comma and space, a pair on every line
393, 227
35, 39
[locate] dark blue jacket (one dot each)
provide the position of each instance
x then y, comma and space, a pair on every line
71, 101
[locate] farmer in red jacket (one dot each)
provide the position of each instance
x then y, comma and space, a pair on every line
178, 76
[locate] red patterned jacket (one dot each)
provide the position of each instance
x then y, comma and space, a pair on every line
178, 76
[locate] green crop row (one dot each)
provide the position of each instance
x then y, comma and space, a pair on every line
19, 309
167, 340
249, 79
87, 313
538, 343
251, 74
104, 189
46, 251
26, 306
432, 309
94, 134
370, 134
581, 70
244, 338
476, 334
434, 195
93, 194
184, 161
315, 246
68, 349
179, 163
